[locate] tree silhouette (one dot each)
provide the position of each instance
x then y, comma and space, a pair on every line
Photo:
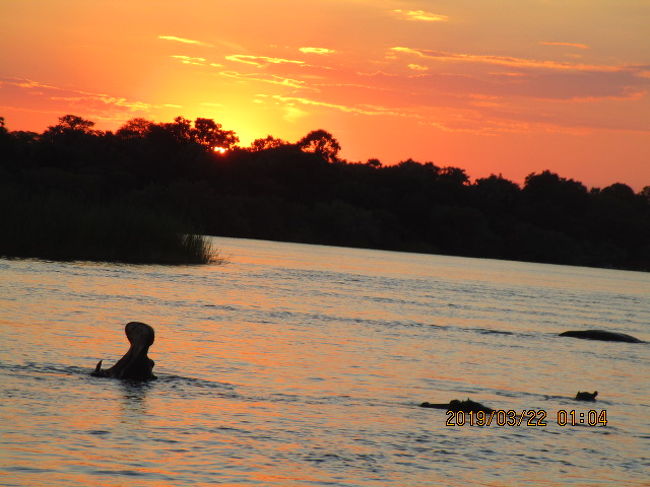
322, 143
548, 185
619, 191
373, 162
71, 124
553, 202
496, 193
454, 175
269, 142
645, 193
180, 129
136, 127
211, 135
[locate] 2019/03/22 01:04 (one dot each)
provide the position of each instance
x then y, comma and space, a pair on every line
532, 417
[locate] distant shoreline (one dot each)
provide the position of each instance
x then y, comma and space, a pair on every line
73, 192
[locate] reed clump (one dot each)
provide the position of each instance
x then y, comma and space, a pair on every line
58, 228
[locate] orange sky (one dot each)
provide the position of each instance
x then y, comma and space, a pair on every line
509, 86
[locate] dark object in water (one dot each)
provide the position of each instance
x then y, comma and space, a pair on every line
134, 365
456, 405
586, 396
608, 336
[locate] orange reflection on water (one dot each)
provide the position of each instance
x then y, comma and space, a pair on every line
297, 364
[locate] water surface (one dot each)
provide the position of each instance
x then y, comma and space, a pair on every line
297, 365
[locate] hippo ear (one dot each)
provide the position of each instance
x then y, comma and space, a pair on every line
99, 367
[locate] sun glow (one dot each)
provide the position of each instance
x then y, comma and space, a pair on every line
428, 80
220, 150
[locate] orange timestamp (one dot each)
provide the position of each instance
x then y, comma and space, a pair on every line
526, 417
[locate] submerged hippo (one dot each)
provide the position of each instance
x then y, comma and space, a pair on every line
586, 396
608, 336
135, 364
456, 405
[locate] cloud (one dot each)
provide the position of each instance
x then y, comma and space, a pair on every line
511, 61
316, 50
421, 15
509, 74
26, 83
261, 61
133, 106
190, 60
41, 97
405, 50
292, 113
196, 61
272, 79
457, 119
514, 80
417, 67
565, 44
352, 85
183, 40
556, 116
55, 93
374, 74
371, 110
431, 86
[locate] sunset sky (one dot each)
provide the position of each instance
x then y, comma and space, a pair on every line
509, 86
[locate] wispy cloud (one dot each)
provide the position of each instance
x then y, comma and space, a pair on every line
261, 61
189, 59
68, 95
372, 110
374, 74
133, 106
404, 50
271, 79
316, 50
184, 40
26, 83
467, 120
292, 113
360, 86
508, 74
421, 15
534, 84
45, 98
511, 61
565, 44
418, 67
196, 61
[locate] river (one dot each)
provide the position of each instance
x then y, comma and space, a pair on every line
302, 365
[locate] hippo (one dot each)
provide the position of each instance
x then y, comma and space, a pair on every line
134, 365
586, 396
456, 405
608, 336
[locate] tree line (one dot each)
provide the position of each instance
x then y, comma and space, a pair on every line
195, 172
